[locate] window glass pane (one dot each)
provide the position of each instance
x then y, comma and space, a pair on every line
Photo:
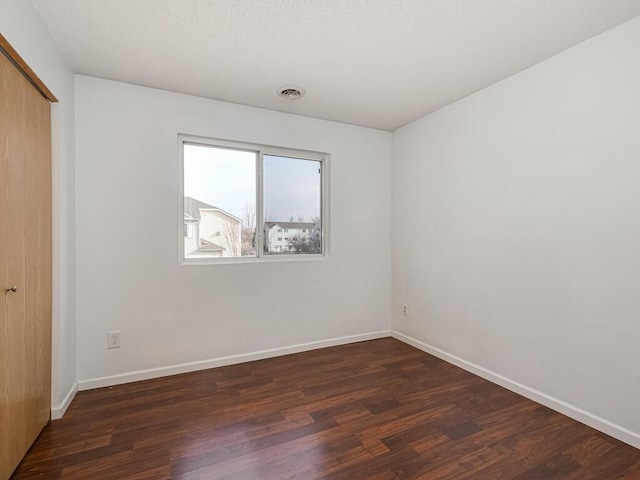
219, 202
292, 199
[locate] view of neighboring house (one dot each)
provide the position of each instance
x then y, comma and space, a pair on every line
279, 237
210, 231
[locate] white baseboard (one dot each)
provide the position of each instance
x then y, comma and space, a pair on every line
594, 421
556, 404
57, 412
223, 361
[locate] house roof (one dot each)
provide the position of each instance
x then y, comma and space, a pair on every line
193, 206
299, 225
210, 246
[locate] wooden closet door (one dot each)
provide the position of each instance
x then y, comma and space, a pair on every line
25, 262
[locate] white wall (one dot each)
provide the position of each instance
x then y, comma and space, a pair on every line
516, 240
127, 178
23, 28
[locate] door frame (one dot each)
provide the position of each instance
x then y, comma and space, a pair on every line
18, 62
14, 58
6, 49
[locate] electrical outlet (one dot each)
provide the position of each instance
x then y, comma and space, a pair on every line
405, 310
113, 339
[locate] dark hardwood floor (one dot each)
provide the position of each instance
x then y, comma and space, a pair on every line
377, 410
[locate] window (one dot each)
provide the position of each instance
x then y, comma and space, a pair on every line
236, 198
188, 230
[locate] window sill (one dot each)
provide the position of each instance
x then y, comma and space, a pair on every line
241, 260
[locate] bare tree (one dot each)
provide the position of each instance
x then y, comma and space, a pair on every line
231, 236
248, 229
299, 244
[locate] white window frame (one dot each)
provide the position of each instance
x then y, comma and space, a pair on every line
261, 151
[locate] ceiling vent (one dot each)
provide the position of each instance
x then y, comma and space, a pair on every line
292, 93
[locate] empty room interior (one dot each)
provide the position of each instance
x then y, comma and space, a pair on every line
322, 239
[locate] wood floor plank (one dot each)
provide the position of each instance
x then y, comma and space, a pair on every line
377, 410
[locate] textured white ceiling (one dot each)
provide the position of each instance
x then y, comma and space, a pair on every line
376, 63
